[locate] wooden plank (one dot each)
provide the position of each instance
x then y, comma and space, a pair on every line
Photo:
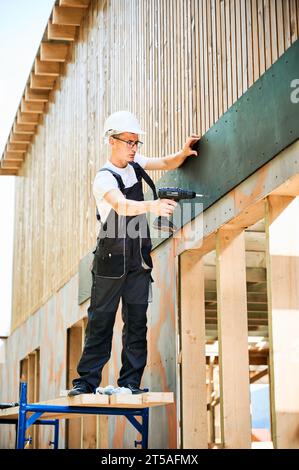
193, 376
11, 164
74, 3
17, 148
52, 52
8, 172
125, 400
27, 118
14, 155
282, 228
24, 128
23, 138
36, 95
57, 32
232, 334
157, 398
68, 16
50, 69
30, 107
41, 83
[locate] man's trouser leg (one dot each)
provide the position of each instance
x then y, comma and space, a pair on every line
134, 307
105, 296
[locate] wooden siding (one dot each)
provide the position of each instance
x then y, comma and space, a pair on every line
177, 64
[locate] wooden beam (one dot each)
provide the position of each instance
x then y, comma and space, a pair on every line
36, 95
29, 107
49, 69
17, 148
57, 32
233, 339
23, 138
27, 118
52, 52
74, 3
282, 229
41, 83
24, 128
193, 376
68, 16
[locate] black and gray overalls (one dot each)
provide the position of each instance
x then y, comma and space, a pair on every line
121, 269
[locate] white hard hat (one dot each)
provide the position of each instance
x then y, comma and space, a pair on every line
121, 121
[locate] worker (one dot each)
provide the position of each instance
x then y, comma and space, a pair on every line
122, 262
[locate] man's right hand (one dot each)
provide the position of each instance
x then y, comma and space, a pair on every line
164, 207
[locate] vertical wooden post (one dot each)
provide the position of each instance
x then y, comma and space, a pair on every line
282, 231
194, 395
233, 339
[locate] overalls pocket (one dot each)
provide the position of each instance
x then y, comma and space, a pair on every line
108, 263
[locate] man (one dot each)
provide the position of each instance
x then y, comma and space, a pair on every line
122, 262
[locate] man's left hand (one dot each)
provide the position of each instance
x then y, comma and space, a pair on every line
187, 150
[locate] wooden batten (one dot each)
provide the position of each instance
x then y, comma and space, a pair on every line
68, 16
42, 83
58, 32
29, 107
17, 148
74, 3
24, 138
36, 95
14, 155
24, 128
11, 164
53, 52
27, 118
49, 69
8, 172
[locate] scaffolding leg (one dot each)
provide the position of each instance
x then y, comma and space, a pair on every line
144, 434
22, 416
56, 433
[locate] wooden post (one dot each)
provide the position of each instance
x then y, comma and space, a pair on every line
194, 396
282, 233
233, 339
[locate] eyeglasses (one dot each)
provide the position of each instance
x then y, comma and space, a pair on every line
130, 143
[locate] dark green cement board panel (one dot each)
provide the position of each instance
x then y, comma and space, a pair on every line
257, 127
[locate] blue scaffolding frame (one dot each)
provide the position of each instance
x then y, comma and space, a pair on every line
24, 423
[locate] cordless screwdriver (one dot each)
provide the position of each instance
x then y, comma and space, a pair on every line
176, 194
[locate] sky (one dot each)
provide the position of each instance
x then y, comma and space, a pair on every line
22, 25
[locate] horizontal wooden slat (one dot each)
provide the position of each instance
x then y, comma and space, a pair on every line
8, 172
42, 83
36, 95
74, 3
24, 128
27, 118
50, 69
16, 148
11, 163
29, 107
14, 155
53, 52
68, 16
57, 32
20, 137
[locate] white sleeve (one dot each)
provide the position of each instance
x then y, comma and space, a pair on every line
141, 159
103, 182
